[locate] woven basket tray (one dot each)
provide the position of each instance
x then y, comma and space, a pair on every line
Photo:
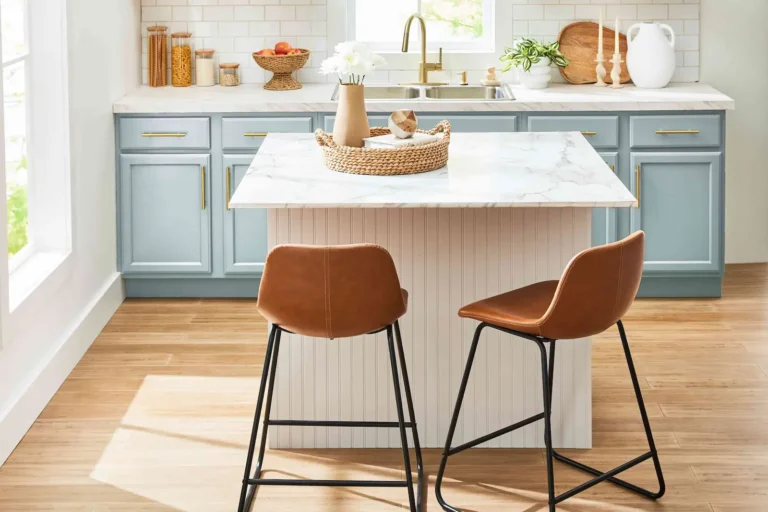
387, 161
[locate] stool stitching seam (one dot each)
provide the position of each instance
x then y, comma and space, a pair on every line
618, 285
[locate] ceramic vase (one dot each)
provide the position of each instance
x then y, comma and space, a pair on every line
537, 77
651, 55
351, 125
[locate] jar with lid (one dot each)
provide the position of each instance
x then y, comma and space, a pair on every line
205, 68
229, 75
157, 64
181, 59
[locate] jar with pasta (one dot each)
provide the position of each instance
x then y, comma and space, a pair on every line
205, 68
229, 74
181, 59
157, 64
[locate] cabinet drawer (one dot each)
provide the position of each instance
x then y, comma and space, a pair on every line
600, 131
249, 132
675, 131
165, 133
458, 123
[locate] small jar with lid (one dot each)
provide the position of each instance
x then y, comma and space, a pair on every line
205, 68
229, 74
181, 59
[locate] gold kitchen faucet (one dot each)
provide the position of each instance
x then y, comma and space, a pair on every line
425, 67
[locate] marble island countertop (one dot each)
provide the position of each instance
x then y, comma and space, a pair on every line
317, 98
484, 170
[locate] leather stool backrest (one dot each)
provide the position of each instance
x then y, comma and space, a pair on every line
330, 291
597, 288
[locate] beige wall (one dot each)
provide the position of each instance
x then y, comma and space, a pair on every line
734, 42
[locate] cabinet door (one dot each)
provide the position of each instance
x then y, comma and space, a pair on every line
604, 230
245, 229
165, 213
680, 207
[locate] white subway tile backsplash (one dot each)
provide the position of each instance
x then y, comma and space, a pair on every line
236, 28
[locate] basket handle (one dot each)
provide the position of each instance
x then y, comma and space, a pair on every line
442, 126
323, 139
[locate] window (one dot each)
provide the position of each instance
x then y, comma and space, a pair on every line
454, 25
14, 30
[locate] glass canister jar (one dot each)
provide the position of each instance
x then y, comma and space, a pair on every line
229, 74
181, 59
205, 68
157, 64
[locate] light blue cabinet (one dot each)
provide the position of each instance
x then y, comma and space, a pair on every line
165, 213
245, 230
604, 227
680, 210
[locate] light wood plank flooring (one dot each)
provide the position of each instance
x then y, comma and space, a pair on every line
157, 416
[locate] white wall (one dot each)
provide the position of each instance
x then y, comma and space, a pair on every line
50, 333
733, 59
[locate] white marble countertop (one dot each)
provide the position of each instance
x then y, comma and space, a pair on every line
484, 170
317, 98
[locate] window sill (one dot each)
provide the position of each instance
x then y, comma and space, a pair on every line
41, 268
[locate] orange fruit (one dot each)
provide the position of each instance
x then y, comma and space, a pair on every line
282, 48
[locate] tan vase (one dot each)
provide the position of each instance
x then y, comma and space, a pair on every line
351, 125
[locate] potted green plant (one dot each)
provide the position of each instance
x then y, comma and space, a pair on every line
533, 60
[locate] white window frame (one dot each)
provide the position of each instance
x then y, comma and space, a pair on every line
486, 44
339, 20
46, 261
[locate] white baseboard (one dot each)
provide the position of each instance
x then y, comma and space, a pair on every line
60, 361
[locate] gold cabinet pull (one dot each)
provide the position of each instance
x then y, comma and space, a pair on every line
228, 189
255, 134
202, 182
588, 134
637, 184
678, 132
163, 134
613, 169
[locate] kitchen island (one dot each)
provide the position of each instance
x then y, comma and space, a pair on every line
508, 210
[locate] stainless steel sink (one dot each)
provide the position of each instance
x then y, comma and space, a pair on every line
467, 92
386, 92
437, 93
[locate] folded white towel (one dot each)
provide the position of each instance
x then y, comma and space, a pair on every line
390, 141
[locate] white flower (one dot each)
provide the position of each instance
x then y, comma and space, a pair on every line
351, 62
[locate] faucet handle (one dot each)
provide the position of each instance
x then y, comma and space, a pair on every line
440, 59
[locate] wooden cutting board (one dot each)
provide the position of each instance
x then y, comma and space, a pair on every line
578, 42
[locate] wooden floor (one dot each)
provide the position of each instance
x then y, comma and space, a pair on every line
157, 416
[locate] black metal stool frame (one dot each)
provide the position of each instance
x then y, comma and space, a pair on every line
548, 375
251, 484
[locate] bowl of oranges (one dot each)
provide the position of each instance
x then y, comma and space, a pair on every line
282, 60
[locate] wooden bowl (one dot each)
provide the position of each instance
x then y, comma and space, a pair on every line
283, 67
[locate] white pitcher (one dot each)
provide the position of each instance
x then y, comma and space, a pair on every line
651, 55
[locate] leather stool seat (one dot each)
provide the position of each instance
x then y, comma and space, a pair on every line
520, 310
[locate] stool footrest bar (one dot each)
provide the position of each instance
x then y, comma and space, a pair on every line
320, 423
327, 483
492, 435
603, 476
613, 480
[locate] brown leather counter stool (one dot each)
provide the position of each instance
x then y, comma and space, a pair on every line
332, 292
594, 292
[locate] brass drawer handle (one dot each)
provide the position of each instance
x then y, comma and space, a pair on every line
637, 184
255, 134
613, 169
678, 132
588, 134
202, 182
228, 189
163, 134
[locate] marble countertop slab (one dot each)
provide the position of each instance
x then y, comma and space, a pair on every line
317, 98
484, 170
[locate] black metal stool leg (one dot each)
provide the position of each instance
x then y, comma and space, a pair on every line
401, 419
652, 454
265, 425
412, 416
546, 385
257, 416
455, 419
